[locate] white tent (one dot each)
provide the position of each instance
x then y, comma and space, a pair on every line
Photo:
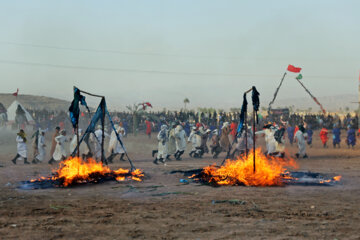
11, 112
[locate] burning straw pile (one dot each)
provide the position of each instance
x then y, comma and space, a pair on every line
270, 171
75, 171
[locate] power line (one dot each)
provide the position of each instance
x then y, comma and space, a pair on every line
113, 51
157, 71
129, 70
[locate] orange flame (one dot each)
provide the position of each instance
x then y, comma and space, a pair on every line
269, 171
75, 170
337, 178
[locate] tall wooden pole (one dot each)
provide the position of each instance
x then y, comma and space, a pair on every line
254, 157
78, 140
246, 135
276, 92
103, 130
312, 96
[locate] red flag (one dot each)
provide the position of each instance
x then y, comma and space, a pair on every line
16, 93
293, 69
148, 104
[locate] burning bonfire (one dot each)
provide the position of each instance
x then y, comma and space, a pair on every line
269, 171
75, 171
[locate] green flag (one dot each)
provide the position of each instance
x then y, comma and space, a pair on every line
299, 77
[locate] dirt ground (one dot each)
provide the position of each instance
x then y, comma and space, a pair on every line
161, 207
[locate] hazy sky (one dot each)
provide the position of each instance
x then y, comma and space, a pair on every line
163, 51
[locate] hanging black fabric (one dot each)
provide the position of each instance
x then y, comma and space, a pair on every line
74, 108
101, 110
242, 115
91, 128
256, 102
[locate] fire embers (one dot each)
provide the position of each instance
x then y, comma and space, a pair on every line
74, 171
270, 171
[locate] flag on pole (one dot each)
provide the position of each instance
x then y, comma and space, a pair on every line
16, 93
74, 107
293, 69
145, 105
299, 77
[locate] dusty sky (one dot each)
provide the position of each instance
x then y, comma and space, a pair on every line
163, 51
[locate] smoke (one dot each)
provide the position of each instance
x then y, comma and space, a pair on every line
7, 141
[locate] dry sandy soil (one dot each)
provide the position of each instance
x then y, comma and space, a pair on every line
161, 207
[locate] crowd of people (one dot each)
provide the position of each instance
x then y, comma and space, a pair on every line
175, 130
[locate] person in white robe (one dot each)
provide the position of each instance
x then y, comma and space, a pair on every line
162, 145
60, 152
215, 144
41, 152
84, 150
97, 142
115, 147
171, 141
21, 147
180, 140
280, 142
300, 138
270, 140
192, 139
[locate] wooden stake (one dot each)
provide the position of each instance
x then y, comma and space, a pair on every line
254, 157
276, 92
312, 96
78, 140
246, 135
103, 130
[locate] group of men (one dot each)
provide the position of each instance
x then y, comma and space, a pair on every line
57, 151
172, 141
336, 134
350, 139
275, 139
90, 148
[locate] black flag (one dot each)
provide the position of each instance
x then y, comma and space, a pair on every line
74, 107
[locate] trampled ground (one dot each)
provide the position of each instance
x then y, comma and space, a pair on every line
161, 207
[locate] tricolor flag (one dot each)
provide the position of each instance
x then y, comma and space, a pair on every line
293, 69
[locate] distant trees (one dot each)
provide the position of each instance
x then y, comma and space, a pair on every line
186, 101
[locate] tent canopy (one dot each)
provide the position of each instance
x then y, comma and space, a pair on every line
2, 108
11, 112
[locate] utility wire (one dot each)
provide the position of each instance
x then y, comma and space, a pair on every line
112, 51
109, 69
128, 70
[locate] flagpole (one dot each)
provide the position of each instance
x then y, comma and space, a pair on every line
314, 98
276, 92
256, 104
254, 157
246, 134
103, 130
78, 141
